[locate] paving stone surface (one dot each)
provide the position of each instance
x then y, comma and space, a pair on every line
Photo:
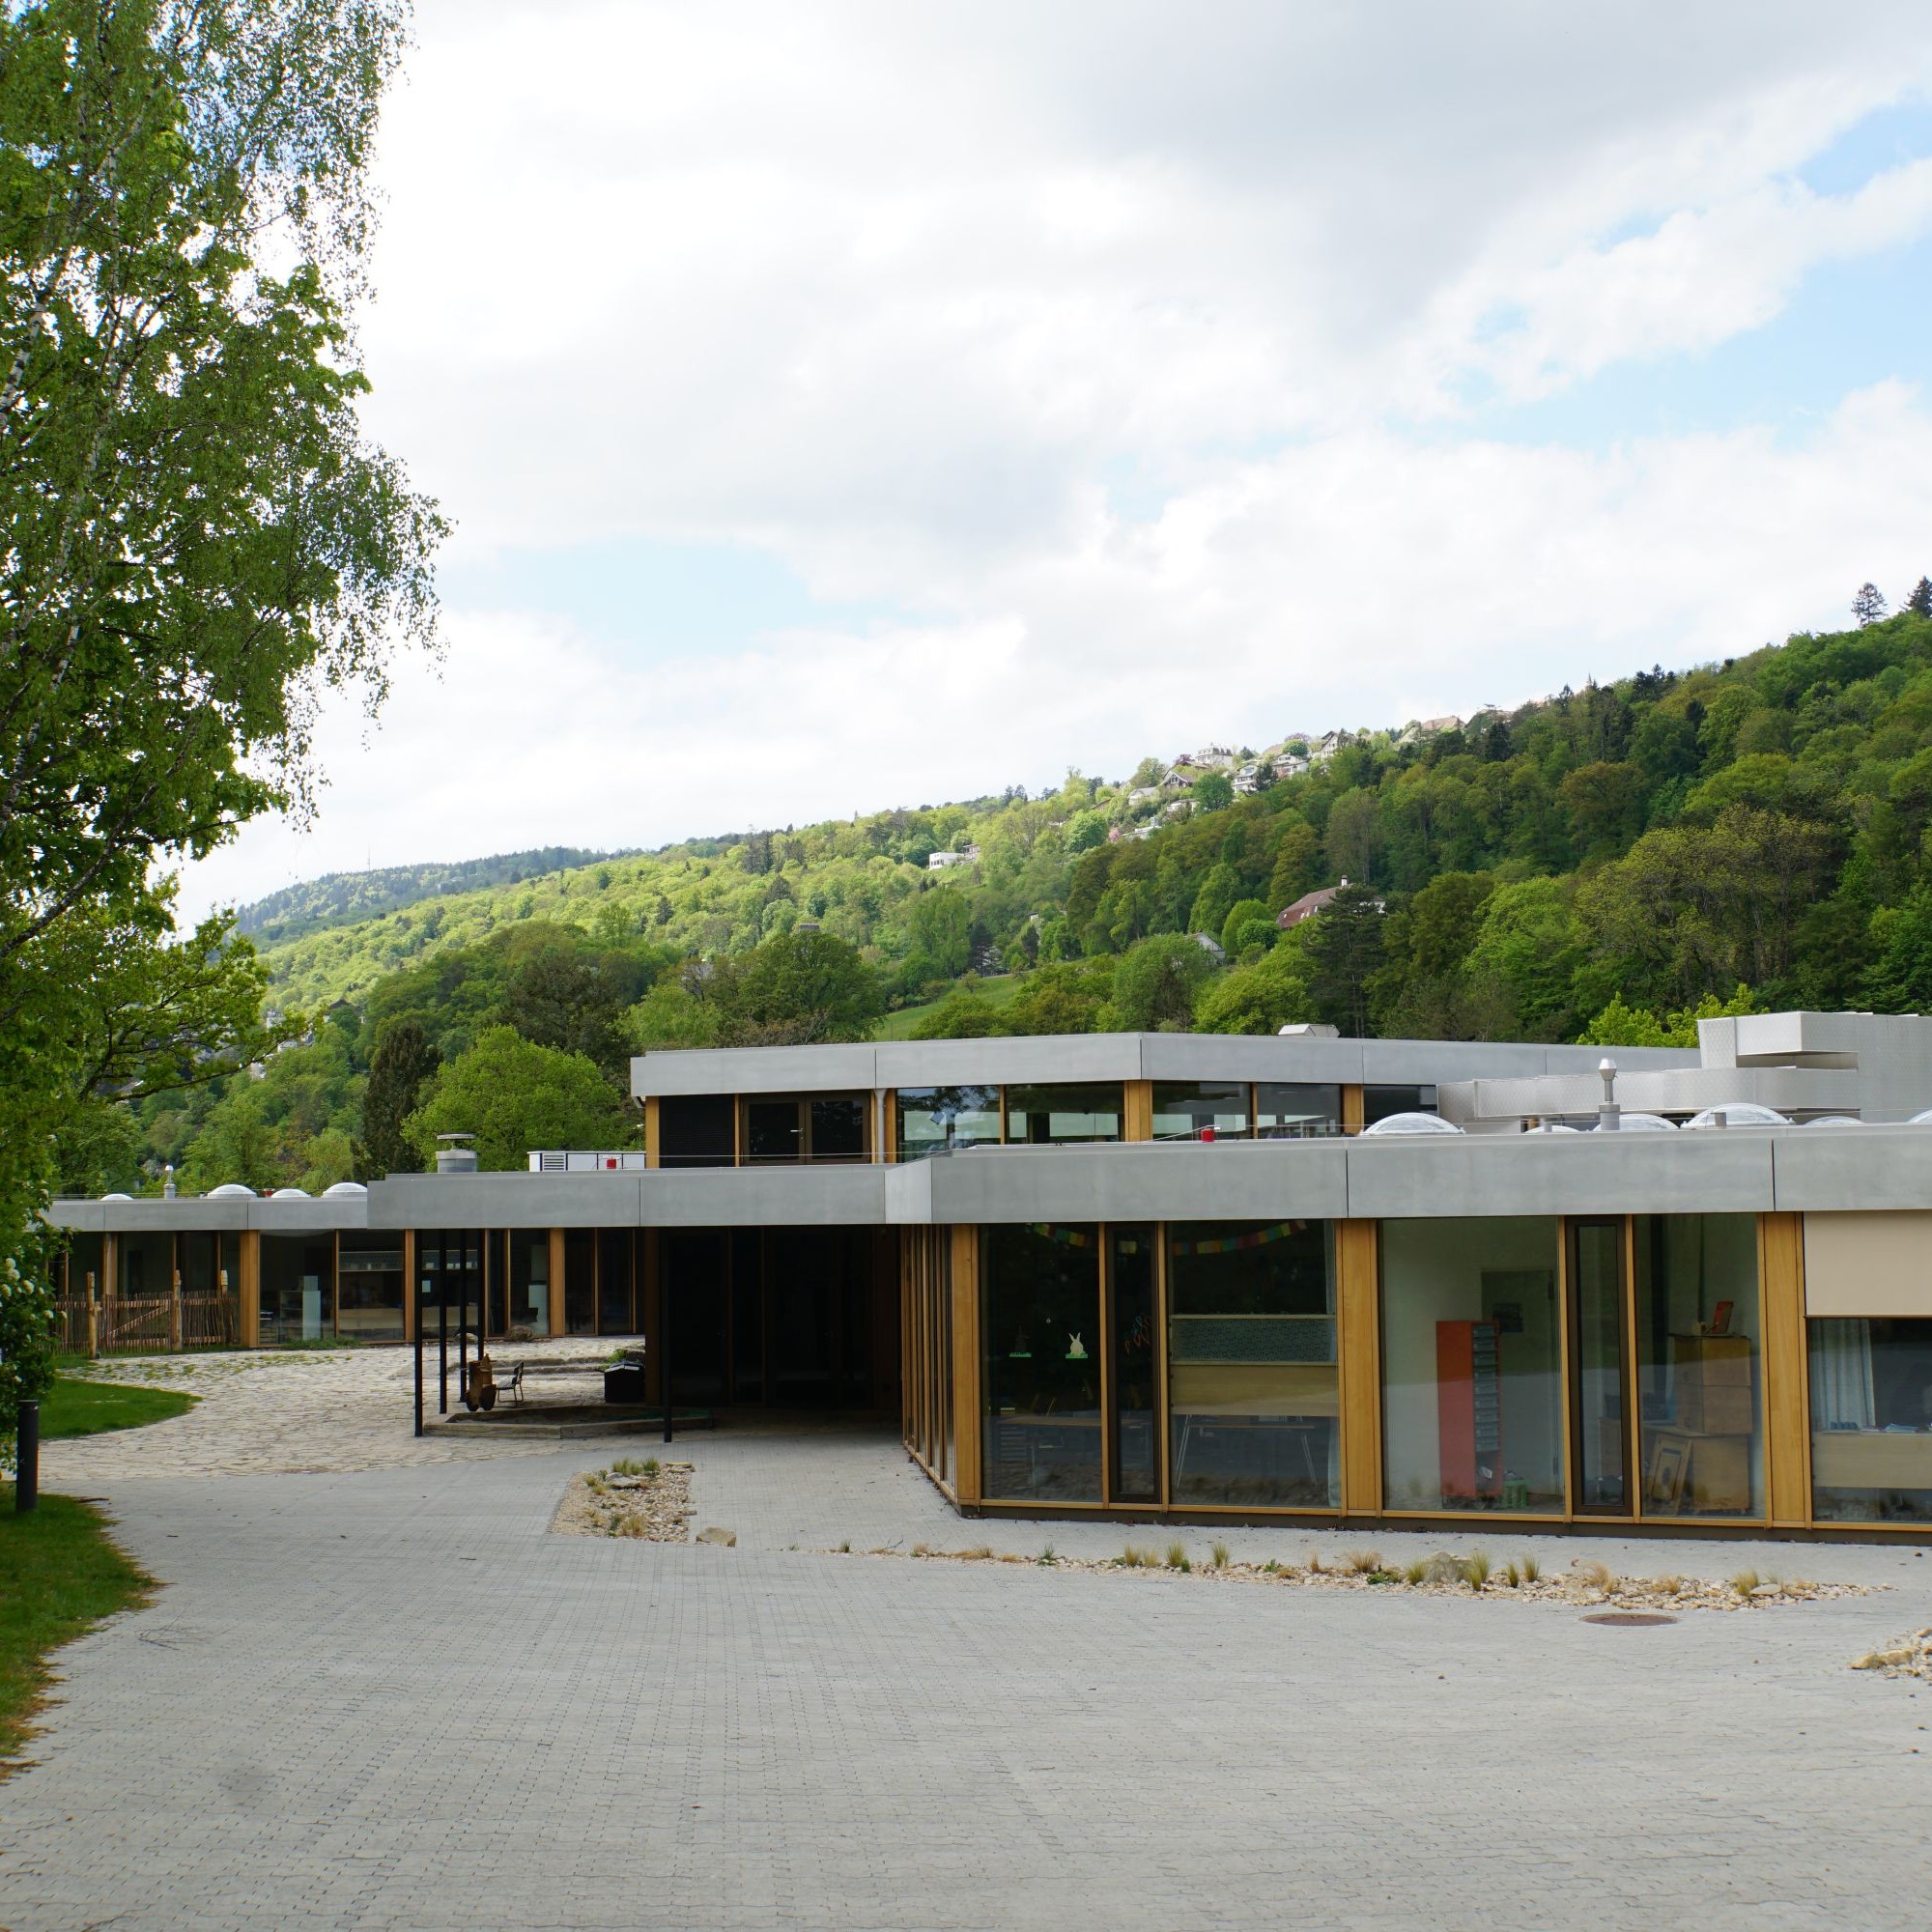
388, 1698
274, 1411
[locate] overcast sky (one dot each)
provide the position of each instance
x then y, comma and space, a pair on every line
843, 407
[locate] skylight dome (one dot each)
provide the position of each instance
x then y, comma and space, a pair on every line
1412, 1123
1645, 1123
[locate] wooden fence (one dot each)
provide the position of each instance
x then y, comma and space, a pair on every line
146, 1325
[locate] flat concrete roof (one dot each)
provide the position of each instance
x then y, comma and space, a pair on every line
1052, 1058
1738, 1170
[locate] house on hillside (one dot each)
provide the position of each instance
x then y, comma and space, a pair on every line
1283, 765
1428, 727
943, 861
1331, 742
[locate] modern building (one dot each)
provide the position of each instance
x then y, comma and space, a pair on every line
1202, 1276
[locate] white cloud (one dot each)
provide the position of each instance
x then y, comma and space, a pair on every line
909, 296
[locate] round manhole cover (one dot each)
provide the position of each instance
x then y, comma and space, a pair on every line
1630, 1619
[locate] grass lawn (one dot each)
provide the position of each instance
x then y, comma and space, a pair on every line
78, 1407
63, 1577
995, 990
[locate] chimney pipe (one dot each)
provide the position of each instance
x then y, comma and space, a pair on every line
454, 1154
1609, 1116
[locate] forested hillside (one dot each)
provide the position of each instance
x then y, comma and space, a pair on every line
1602, 864
340, 898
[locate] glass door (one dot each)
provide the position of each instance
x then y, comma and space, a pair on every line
1133, 1448
1599, 1404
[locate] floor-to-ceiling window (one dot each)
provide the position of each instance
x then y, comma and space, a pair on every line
1133, 1346
1041, 1317
614, 1315
1472, 1352
370, 1288
580, 1282
297, 1287
1252, 1376
1699, 1381
530, 1280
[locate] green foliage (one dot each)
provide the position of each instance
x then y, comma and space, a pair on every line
199, 536
1213, 791
1345, 947
1274, 992
514, 1097
1154, 987
962, 1017
1633, 852
345, 899
797, 990
1235, 929
404, 1060
1622, 1025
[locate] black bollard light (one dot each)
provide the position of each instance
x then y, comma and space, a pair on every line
27, 1459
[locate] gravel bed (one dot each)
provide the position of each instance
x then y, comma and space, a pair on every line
649, 1501
1584, 1585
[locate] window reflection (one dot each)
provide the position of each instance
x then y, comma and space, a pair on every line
1182, 1110
1287, 1110
1871, 1419
932, 1120
1064, 1114
1699, 1408
1042, 1344
1251, 1364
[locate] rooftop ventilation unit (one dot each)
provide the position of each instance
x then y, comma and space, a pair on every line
454, 1154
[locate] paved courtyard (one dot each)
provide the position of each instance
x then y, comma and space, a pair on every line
384, 1696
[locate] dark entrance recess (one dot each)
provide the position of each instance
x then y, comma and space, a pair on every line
800, 1318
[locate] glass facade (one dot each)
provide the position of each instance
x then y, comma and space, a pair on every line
147, 1265
1871, 1418
821, 1127
369, 1287
1041, 1332
530, 1280
1252, 1373
1699, 1370
613, 1282
696, 1130
1379, 1102
1133, 1265
1287, 1112
1064, 1114
580, 1282
1472, 1365
1183, 1110
297, 1287
931, 1119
